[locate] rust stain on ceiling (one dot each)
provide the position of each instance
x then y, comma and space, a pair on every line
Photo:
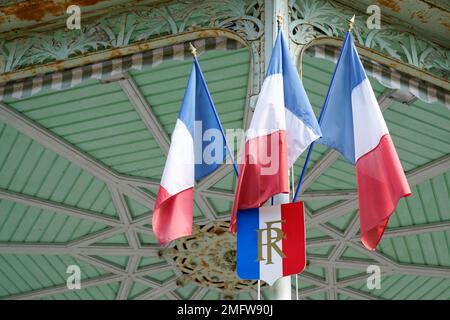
446, 24
390, 4
422, 15
36, 10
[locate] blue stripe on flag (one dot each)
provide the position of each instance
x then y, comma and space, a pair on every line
187, 110
295, 98
337, 121
247, 243
276, 61
196, 106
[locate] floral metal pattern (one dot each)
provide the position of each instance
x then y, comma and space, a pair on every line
131, 26
311, 19
208, 258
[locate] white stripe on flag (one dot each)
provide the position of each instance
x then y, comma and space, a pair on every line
178, 172
298, 136
270, 272
269, 116
368, 122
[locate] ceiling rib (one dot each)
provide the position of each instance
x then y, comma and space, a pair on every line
156, 293
357, 294
331, 280
358, 279
199, 293
61, 147
158, 268
63, 288
55, 249
306, 293
205, 207
145, 112
95, 237
127, 283
329, 195
101, 264
125, 215
58, 207
426, 271
415, 229
414, 177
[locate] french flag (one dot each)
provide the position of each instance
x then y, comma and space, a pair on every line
282, 127
352, 124
173, 211
261, 233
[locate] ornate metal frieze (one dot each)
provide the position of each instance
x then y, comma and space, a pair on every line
130, 26
208, 258
311, 19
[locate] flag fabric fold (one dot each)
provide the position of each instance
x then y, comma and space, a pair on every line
173, 210
282, 127
352, 123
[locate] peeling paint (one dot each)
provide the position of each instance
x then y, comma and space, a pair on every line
422, 15
36, 10
446, 24
390, 4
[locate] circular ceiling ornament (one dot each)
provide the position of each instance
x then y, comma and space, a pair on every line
208, 258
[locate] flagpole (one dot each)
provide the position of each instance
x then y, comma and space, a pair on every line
259, 289
194, 54
351, 22
281, 289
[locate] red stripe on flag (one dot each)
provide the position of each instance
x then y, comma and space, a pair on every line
173, 215
294, 246
256, 185
381, 184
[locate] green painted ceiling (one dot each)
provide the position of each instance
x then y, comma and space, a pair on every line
99, 120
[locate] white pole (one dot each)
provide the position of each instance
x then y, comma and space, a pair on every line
259, 289
281, 290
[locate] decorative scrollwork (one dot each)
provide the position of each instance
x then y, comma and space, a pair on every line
133, 25
311, 19
208, 258
63, 44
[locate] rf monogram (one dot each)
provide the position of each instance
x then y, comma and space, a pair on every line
273, 235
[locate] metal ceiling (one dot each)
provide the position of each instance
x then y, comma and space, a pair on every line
73, 165
55, 212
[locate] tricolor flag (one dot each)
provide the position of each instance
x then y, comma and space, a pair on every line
271, 242
352, 124
173, 211
282, 127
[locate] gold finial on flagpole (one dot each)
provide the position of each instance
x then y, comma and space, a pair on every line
280, 20
351, 22
193, 50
